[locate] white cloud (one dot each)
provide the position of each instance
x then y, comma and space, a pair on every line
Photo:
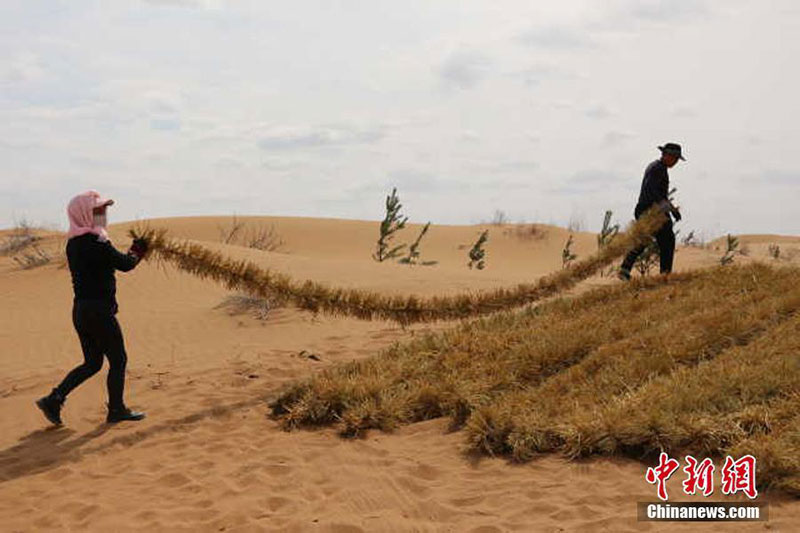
470, 136
589, 181
23, 68
556, 37
615, 138
464, 69
667, 10
535, 75
598, 111
194, 4
683, 111
299, 103
290, 138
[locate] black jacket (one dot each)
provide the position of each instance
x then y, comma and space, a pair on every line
655, 187
92, 264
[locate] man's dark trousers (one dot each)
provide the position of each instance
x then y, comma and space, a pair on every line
665, 238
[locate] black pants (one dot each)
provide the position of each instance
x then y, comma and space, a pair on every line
665, 238
100, 334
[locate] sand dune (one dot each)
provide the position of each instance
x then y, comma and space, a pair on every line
208, 458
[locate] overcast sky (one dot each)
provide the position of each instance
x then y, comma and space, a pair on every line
546, 110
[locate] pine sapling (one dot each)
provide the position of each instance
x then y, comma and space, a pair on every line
567, 257
649, 258
730, 251
671, 194
413, 251
608, 232
477, 254
391, 224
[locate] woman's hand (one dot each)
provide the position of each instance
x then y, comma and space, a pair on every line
139, 248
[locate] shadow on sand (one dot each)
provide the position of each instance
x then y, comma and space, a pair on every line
47, 449
43, 450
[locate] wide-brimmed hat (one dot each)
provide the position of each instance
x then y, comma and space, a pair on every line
672, 149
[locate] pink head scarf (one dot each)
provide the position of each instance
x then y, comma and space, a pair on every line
81, 215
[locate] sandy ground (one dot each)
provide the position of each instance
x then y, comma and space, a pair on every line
208, 458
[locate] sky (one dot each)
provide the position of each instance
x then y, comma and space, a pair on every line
547, 111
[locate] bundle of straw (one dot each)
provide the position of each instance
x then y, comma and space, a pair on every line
250, 278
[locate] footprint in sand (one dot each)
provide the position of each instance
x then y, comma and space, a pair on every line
424, 471
345, 528
173, 480
81, 512
485, 529
59, 474
275, 503
278, 470
467, 502
411, 485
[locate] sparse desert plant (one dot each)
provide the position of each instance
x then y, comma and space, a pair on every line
567, 256
576, 224
32, 257
774, 251
230, 233
248, 277
732, 247
264, 238
527, 232
499, 218
413, 251
241, 303
392, 222
21, 236
477, 254
689, 240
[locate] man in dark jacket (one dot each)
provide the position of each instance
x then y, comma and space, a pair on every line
655, 191
92, 261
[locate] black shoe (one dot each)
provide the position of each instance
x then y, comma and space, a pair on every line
121, 415
51, 407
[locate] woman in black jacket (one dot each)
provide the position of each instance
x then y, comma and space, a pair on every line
92, 262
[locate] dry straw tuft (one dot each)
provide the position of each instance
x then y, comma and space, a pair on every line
707, 363
250, 278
